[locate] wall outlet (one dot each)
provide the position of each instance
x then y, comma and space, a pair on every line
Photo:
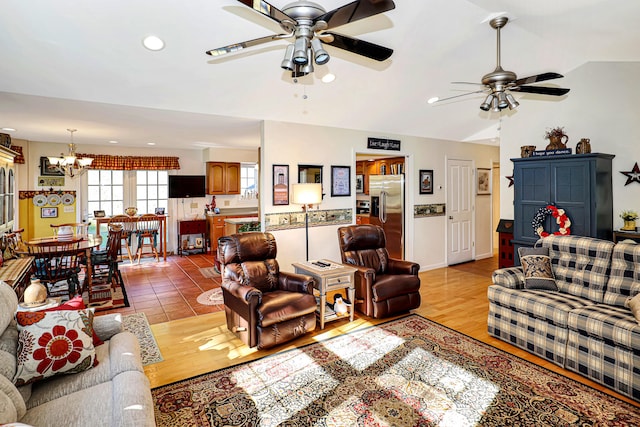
194, 205
227, 202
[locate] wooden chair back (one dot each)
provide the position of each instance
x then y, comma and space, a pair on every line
56, 261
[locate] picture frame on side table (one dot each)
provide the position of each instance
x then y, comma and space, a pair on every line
426, 181
48, 212
484, 181
280, 185
340, 181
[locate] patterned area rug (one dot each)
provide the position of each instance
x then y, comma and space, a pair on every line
407, 372
211, 297
209, 272
138, 325
101, 296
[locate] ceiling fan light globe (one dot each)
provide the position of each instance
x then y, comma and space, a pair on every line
287, 61
321, 55
486, 105
502, 101
513, 104
300, 52
494, 105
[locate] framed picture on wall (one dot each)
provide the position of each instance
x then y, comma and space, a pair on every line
48, 212
359, 184
426, 181
280, 185
340, 181
484, 181
46, 169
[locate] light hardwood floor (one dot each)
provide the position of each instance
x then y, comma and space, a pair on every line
453, 296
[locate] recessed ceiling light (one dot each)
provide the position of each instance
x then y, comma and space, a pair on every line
432, 100
328, 78
153, 43
8, 129
113, 142
151, 143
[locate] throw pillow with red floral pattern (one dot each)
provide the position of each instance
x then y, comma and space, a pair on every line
52, 343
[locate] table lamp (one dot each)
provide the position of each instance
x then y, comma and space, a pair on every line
307, 195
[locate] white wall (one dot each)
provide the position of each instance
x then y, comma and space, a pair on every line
293, 144
602, 106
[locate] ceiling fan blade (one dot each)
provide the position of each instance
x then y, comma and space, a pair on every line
267, 10
538, 78
542, 90
458, 96
239, 46
467, 83
354, 11
360, 47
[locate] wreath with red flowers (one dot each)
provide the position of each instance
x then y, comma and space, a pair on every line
561, 217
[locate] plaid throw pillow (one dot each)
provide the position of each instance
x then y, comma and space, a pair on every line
536, 266
633, 304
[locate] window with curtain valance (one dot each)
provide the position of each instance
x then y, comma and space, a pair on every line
109, 162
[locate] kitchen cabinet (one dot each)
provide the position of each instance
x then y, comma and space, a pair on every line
581, 184
216, 227
362, 219
223, 178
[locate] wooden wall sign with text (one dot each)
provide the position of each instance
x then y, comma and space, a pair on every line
383, 144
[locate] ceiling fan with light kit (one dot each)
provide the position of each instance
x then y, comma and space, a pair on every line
499, 83
307, 23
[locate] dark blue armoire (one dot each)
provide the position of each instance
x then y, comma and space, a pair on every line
581, 184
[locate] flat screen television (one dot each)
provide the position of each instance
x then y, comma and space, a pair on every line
181, 186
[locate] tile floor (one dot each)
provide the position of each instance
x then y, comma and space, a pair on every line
167, 290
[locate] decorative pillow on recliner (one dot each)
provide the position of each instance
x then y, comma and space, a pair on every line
633, 304
51, 343
77, 303
536, 266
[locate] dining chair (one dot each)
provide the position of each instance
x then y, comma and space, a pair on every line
128, 225
147, 230
56, 261
108, 257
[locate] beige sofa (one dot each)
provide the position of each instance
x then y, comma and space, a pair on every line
114, 393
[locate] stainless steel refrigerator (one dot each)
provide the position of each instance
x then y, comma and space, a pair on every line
387, 210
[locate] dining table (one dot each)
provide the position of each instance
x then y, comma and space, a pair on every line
88, 242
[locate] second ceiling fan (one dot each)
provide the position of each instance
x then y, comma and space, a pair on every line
307, 23
499, 83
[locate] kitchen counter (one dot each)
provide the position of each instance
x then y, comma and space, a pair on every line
241, 220
237, 211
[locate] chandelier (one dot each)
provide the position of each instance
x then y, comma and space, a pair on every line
70, 165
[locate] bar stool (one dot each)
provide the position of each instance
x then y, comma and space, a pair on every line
148, 227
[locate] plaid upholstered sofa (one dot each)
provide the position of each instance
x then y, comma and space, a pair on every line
584, 326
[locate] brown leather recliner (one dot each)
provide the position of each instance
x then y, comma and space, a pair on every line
264, 306
384, 286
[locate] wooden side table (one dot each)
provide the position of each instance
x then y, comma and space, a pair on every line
326, 279
192, 226
620, 235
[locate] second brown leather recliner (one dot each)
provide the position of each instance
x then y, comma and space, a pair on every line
264, 306
384, 286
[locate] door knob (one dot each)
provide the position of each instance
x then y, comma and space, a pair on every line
450, 217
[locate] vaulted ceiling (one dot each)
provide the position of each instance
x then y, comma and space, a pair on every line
69, 63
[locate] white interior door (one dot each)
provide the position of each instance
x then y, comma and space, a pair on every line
459, 211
